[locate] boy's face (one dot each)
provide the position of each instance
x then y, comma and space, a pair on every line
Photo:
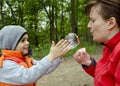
23, 45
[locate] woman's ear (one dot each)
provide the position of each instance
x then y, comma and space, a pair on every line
112, 22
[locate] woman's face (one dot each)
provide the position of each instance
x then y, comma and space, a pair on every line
98, 26
23, 45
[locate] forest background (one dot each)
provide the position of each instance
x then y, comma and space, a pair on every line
47, 20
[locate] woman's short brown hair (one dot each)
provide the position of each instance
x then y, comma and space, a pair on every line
109, 8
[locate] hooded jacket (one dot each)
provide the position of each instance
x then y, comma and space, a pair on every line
17, 57
16, 69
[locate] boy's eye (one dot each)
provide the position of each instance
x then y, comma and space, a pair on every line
22, 40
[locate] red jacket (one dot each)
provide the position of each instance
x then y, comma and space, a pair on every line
107, 70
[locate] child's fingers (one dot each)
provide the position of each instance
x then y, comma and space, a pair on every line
65, 50
53, 43
59, 43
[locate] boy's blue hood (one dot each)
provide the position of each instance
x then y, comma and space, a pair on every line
10, 36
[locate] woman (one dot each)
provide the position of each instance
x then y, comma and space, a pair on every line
104, 26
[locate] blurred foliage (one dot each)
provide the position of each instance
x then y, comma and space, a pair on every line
46, 20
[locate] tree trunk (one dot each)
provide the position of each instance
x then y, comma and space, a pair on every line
12, 12
2, 14
52, 24
62, 19
74, 26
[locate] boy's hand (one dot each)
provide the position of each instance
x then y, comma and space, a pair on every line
58, 50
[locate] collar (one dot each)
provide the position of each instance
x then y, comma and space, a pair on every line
7, 54
113, 41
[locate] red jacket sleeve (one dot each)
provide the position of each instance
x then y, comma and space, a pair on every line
90, 69
117, 75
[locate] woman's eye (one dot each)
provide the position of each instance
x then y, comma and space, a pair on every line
93, 20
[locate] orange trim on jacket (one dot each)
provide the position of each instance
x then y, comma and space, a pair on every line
18, 58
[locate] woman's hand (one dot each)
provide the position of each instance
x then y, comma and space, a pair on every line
58, 50
82, 57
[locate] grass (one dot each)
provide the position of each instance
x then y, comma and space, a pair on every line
41, 52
